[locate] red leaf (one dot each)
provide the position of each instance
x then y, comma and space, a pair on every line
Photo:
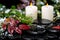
12, 21
56, 27
4, 26
11, 29
18, 30
24, 27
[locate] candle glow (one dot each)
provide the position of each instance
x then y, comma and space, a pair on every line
31, 4
47, 4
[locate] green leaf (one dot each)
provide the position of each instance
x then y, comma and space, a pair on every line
13, 7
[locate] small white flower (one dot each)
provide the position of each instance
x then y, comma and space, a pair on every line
7, 10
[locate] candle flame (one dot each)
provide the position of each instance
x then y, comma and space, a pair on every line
47, 4
31, 4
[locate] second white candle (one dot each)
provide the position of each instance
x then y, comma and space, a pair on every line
47, 12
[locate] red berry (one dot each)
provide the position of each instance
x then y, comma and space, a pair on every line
16, 21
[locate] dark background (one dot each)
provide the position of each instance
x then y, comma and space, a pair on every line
9, 3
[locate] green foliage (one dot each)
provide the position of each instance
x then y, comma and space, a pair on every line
13, 7
17, 15
0, 5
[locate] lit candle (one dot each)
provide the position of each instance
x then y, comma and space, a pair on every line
47, 12
31, 11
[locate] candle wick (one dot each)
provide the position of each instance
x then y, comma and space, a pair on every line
46, 4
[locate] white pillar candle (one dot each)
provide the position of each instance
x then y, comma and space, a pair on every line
31, 11
47, 12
